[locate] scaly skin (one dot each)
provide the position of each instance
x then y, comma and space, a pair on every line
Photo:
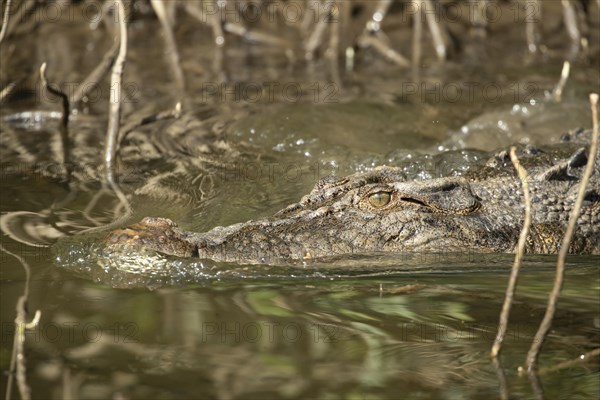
377, 211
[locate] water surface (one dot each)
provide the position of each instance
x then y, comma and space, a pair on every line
373, 327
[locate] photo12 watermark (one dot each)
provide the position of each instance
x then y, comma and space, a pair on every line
270, 332
291, 11
469, 92
75, 332
270, 92
95, 92
87, 172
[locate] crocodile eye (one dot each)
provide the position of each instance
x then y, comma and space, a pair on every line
379, 199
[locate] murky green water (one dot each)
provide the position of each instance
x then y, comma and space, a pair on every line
403, 326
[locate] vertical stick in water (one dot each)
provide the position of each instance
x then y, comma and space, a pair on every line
520, 250
532, 15
540, 336
114, 118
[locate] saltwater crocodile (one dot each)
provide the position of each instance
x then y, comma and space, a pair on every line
379, 211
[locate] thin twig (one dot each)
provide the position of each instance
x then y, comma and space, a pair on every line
531, 19
7, 91
378, 15
368, 40
170, 44
24, 11
479, 18
57, 92
217, 27
103, 12
514, 274
436, 31
349, 55
417, 36
214, 20
17, 361
254, 36
540, 335
343, 20
570, 19
564, 76
94, 78
64, 125
373, 36
381, 10
235, 28
315, 39
309, 9
112, 134
333, 49
17, 23
5, 20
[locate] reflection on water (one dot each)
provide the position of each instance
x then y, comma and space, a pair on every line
402, 326
364, 332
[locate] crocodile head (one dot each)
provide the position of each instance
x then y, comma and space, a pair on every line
364, 213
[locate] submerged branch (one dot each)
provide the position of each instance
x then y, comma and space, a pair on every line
540, 336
